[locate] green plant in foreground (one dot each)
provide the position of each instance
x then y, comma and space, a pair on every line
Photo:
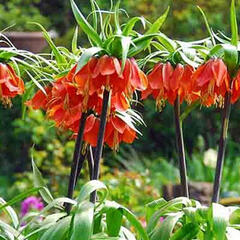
177, 219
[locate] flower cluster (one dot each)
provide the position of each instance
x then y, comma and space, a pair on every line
82, 91
10, 84
209, 83
166, 83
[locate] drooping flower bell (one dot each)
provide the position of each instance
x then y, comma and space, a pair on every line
167, 82
117, 131
212, 80
106, 71
10, 84
64, 103
236, 88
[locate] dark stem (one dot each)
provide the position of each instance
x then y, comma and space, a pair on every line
76, 160
180, 146
80, 165
100, 141
222, 148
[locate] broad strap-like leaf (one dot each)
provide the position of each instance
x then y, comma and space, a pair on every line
220, 219
109, 205
174, 205
90, 187
83, 222
187, 232
58, 231
125, 42
164, 230
114, 221
153, 206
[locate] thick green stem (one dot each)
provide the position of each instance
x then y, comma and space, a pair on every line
222, 148
180, 146
100, 141
77, 160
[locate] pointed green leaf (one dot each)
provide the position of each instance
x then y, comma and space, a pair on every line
207, 25
58, 231
125, 41
39, 182
90, 187
83, 222
86, 27
187, 232
75, 49
114, 221
158, 23
131, 23
220, 219
234, 26
165, 229
116, 18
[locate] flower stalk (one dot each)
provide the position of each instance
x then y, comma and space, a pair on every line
180, 147
100, 140
78, 159
90, 160
222, 148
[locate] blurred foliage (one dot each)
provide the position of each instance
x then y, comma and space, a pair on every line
18, 14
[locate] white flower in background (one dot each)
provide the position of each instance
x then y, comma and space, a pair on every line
210, 158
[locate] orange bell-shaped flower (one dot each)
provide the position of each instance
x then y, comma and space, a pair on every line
166, 83
212, 81
10, 84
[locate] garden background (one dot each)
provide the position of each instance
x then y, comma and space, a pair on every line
137, 174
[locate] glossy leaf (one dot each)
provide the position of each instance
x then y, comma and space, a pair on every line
187, 232
165, 229
58, 231
90, 187
125, 42
220, 219
83, 222
114, 221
